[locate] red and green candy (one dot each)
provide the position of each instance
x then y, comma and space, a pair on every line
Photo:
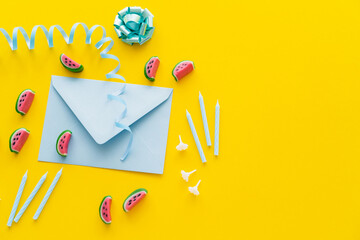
62, 143
151, 68
24, 101
134, 198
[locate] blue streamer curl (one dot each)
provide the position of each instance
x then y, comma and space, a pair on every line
30, 42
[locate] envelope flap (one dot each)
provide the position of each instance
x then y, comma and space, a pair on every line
88, 100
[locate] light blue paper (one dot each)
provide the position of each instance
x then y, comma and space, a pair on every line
82, 106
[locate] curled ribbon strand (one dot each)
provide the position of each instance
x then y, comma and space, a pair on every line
115, 97
30, 42
119, 99
122, 126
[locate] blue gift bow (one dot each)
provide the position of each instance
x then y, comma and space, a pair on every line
129, 34
30, 42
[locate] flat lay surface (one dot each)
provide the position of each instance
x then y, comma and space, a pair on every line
286, 75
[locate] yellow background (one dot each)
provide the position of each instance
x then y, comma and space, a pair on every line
286, 74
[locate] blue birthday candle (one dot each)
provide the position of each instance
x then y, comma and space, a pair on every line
217, 121
196, 138
30, 198
204, 118
47, 195
17, 200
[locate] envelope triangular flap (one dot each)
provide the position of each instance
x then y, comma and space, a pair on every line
88, 101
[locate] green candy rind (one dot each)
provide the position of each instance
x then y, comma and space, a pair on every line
100, 209
149, 78
57, 142
75, 70
12, 137
177, 65
17, 101
133, 193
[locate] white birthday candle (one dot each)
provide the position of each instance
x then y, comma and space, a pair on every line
17, 200
204, 118
47, 195
30, 198
217, 121
196, 138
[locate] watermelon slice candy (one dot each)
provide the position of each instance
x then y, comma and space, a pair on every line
182, 69
134, 198
70, 64
24, 101
151, 68
62, 143
104, 209
18, 139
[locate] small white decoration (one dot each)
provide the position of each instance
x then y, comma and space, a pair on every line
194, 190
182, 146
186, 175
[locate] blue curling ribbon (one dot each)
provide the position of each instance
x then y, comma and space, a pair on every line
122, 115
122, 126
30, 42
119, 99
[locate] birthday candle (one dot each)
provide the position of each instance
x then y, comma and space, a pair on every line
17, 200
47, 195
204, 118
196, 138
30, 198
217, 120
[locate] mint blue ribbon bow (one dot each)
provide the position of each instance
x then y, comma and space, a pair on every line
134, 25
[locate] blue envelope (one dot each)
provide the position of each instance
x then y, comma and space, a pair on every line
82, 106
